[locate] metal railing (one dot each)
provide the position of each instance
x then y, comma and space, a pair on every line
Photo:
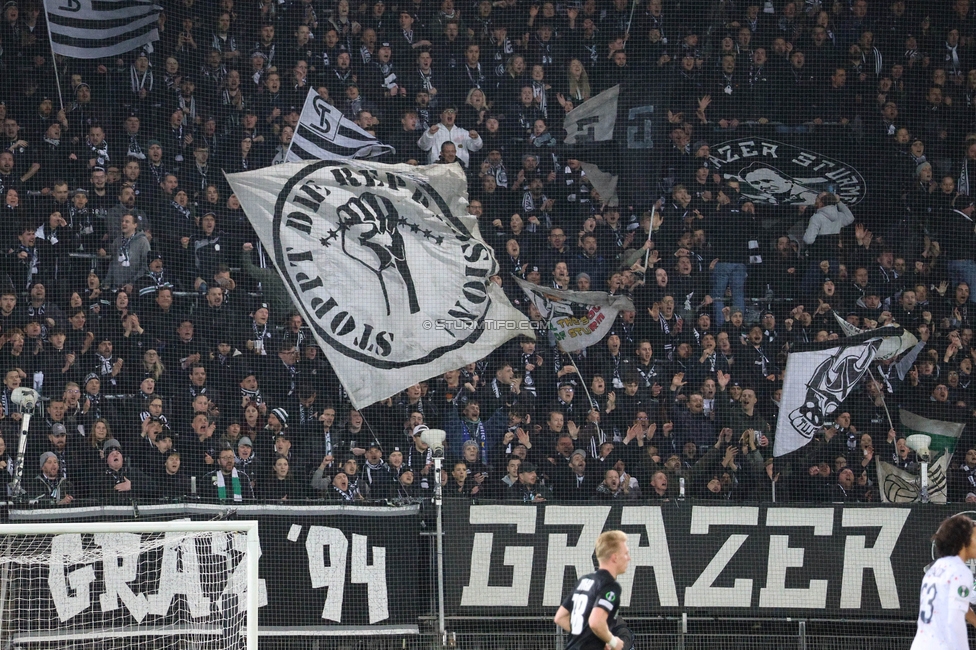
665, 633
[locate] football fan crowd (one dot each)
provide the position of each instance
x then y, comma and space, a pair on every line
138, 301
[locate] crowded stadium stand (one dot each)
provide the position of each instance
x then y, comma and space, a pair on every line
757, 177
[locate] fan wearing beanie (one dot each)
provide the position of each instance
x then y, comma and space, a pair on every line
49, 486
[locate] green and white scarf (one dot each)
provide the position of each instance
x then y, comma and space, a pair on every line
235, 485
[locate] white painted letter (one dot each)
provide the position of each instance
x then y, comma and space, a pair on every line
122, 547
560, 554
702, 593
857, 558
66, 550
655, 555
477, 593
782, 557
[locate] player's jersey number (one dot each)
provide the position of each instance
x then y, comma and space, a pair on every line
576, 618
927, 606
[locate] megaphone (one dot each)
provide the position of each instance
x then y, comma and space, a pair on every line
919, 443
434, 438
25, 398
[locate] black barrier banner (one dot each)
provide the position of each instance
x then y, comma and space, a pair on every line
837, 560
323, 570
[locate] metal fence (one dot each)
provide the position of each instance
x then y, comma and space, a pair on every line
685, 633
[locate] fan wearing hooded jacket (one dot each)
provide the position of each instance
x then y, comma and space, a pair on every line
822, 237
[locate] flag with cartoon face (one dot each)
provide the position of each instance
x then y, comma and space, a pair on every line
817, 380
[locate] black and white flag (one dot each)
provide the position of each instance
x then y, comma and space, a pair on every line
892, 345
897, 485
817, 380
324, 133
593, 120
386, 266
93, 29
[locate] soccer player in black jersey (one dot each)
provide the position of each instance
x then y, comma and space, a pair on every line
589, 613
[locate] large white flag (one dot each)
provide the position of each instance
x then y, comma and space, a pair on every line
324, 133
817, 380
577, 319
385, 265
594, 119
93, 29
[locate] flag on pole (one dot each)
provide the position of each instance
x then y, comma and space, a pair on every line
892, 345
594, 119
604, 183
385, 265
577, 319
324, 133
898, 485
93, 29
818, 378
944, 434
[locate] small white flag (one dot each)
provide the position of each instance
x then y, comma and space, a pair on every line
897, 485
577, 319
892, 345
594, 119
816, 382
324, 133
604, 183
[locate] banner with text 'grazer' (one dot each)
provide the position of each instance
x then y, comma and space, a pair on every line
386, 266
772, 172
815, 560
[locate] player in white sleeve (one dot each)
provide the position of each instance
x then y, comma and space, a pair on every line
947, 587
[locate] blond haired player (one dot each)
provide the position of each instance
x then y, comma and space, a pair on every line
589, 612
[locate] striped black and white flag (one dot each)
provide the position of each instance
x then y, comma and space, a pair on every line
92, 29
324, 133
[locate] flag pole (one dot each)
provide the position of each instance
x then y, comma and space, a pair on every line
884, 402
54, 58
650, 233
366, 422
589, 399
633, 8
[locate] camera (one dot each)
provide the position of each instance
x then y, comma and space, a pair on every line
25, 398
434, 438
